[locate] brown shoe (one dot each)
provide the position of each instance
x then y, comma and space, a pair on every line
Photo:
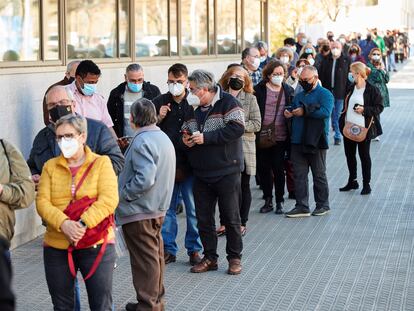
168, 258
204, 266
234, 266
195, 258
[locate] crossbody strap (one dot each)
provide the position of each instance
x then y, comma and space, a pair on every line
85, 174
7, 156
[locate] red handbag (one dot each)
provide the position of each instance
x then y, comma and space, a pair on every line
92, 235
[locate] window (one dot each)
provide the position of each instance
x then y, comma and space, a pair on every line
194, 27
19, 30
51, 29
91, 29
226, 27
151, 28
124, 33
252, 22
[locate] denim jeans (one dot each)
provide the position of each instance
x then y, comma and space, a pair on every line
391, 61
61, 282
170, 226
336, 112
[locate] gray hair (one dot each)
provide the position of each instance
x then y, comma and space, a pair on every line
71, 64
143, 112
78, 122
60, 87
261, 45
203, 78
134, 67
311, 69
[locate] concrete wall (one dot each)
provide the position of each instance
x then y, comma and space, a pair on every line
21, 110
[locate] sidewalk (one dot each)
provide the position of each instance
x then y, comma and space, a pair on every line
358, 257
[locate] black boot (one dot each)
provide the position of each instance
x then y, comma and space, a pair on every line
279, 208
352, 184
366, 189
267, 207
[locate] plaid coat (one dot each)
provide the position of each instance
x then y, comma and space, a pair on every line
252, 121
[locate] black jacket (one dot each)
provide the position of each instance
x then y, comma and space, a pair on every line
116, 103
223, 128
260, 91
341, 75
99, 139
172, 123
373, 106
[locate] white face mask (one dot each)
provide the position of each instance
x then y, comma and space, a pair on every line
176, 89
311, 61
193, 100
69, 147
376, 57
256, 63
277, 80
284, 59
336, 52
299, 71
262, 58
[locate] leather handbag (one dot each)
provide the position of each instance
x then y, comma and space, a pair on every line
267, 134
356, 132
74, 211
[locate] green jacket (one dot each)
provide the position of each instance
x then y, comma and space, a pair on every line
379, 41
18, 187
380, 78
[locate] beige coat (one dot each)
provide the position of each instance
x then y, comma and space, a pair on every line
18, 188
252, 120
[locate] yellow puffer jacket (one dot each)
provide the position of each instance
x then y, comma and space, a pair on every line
54, 195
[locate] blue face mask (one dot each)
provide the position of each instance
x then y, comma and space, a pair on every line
134, 88
351, 77
88, 89
309, 51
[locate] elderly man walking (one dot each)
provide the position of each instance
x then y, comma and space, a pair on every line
212, 136
145, 190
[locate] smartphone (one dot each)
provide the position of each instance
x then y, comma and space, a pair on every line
289, 108
356, 106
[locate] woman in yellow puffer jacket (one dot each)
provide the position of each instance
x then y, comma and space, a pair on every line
56, 190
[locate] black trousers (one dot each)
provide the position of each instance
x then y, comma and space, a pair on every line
301, 164
61, 283
270, 166
350, 147
225, 191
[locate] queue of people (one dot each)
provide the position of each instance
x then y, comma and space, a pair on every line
126, 162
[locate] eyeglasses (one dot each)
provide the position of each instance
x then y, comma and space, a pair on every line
62, 102
173, 82
66, 137
193, 90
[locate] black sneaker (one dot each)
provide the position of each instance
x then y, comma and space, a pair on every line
337, 141
298, 212
131, 306
320, 211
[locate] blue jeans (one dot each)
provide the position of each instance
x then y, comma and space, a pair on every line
170, 226
391, 61
336, 112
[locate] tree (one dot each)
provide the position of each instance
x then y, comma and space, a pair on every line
332, 8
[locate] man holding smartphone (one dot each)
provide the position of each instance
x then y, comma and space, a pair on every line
172, 109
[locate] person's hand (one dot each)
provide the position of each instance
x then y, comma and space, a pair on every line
164, 110
73, 231
359, 109
298, 112
123, 142
198, 138
287, 114
187, 140
36, 179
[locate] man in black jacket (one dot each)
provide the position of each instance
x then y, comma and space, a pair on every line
124, 95
45, 147
212, 136
333, 73
173, 109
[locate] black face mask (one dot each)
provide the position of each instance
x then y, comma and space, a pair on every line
59, 111
71, 79
235, 84
330, 38
325, 48
307, 87
368, 37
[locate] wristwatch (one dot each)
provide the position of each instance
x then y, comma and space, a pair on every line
82, 223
